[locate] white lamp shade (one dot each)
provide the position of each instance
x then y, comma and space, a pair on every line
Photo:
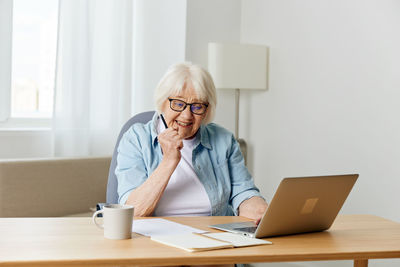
238, 66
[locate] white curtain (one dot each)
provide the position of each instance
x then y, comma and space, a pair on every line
6, 9
93, 85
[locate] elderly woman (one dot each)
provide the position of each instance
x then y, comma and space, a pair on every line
186, 166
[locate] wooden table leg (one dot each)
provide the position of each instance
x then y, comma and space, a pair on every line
360, 263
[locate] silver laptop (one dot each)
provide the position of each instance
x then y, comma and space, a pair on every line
300, 205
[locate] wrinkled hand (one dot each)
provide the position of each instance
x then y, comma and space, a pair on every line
171, 144
253, 208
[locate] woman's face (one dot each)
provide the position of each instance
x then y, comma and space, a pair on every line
185, 122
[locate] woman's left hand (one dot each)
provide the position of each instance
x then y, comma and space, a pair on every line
253, 208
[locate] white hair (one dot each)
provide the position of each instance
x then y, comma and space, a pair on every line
174, 80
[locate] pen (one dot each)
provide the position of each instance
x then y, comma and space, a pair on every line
163, 120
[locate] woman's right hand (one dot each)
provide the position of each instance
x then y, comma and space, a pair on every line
171, 145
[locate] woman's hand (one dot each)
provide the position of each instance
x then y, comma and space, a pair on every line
171, 145
253, 208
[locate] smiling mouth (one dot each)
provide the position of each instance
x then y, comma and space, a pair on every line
184, 124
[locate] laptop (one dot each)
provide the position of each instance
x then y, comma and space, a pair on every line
300, 205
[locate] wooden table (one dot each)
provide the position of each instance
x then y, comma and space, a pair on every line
76, 241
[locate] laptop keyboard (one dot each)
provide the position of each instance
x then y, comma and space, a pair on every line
246, 229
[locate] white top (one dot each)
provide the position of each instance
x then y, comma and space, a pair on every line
184, 195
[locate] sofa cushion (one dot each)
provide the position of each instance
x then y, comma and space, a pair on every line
52, 187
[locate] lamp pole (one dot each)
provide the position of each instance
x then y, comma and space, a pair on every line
242, 143
237, 96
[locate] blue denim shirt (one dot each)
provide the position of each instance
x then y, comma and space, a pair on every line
217, 161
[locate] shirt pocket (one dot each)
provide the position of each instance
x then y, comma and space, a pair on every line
222, 166
223, 179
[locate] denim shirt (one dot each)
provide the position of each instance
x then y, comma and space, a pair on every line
217, 161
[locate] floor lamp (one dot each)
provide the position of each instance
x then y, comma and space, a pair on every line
238, 67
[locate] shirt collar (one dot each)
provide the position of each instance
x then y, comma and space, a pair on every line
204, 137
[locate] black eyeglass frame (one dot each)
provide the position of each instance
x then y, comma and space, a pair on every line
187, 104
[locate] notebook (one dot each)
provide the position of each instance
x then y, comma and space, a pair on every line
209, 241
300, 205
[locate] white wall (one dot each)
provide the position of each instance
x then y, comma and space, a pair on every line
213, 21
159, 41
168, 32
333, 100
210, 21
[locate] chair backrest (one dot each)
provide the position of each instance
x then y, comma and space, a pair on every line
112, 184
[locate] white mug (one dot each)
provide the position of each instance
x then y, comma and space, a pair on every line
117, 221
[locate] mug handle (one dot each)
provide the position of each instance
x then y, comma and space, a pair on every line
94, 219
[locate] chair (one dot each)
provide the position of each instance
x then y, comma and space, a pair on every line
112, 184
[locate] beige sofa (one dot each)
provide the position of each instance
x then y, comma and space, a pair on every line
52, 187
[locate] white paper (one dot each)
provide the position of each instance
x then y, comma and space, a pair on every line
160, 227
238, 240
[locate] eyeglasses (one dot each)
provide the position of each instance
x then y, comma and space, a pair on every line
179, 106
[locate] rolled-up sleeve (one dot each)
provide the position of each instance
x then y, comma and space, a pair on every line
242, 183
131, 170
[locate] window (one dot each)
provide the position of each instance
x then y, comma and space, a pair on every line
31, 32
34, 46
